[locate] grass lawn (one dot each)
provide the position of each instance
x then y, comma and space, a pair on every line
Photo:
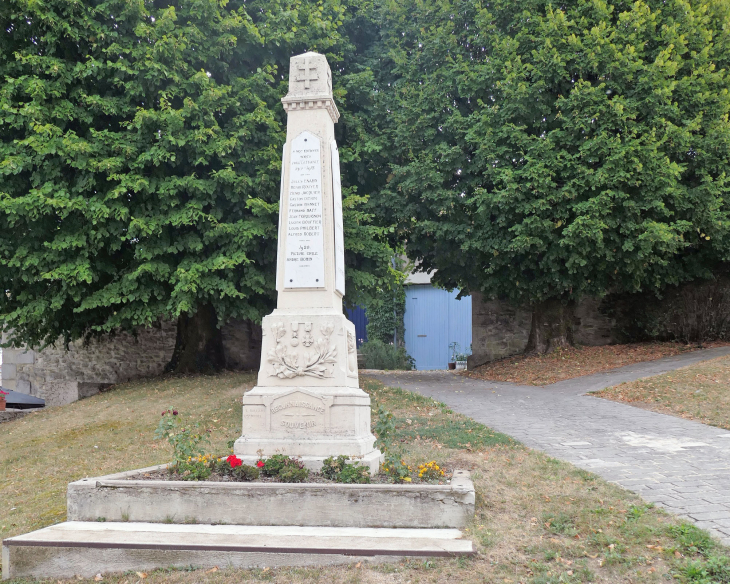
699, 392
538, 520
576, 361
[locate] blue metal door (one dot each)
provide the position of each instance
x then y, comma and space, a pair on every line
360, 319
435, 318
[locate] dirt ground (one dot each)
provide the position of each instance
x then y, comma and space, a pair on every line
699, 392
576, 361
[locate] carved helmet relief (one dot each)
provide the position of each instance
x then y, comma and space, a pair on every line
316, 362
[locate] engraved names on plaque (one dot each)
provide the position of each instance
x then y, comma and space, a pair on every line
304, 266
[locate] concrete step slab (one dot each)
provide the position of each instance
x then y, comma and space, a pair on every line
88, 548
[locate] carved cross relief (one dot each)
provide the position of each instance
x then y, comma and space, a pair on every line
310, 73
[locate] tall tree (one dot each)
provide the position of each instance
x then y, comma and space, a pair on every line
140, 159
541, 152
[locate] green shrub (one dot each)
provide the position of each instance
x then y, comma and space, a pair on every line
396, 468
293, 471
274, 464
716, 570
384, 428
193, 471
691, 539
354, 474
186, 441
245, 472
385, 317
332, 467
338, 469
379, 355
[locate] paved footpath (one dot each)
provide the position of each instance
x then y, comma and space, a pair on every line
681, 465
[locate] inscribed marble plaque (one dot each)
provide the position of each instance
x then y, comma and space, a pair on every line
304, 266
339, 235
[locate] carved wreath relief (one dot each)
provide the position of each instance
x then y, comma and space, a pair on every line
312, 362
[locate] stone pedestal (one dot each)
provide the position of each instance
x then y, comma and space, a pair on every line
307, 402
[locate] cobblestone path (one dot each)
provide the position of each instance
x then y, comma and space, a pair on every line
681, 465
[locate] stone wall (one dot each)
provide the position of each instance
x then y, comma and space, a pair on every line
242, 345
500, 329
61, 377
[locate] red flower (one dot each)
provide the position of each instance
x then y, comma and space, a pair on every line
234, 461
260, 464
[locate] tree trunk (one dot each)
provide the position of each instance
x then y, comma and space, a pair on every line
552, 327
199, 343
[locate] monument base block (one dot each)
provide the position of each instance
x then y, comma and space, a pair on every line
307, 423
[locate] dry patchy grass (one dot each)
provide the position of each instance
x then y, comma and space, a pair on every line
538, 520
699, 392
110, 432
575, 361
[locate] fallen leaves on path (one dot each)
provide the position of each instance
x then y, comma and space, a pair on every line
575, 362
698, 392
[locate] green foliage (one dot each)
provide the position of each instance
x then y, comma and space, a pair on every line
339, 470
242, 472
714, 570
395, 467
293, 471
274, 464
385, 317
534, 150
187, 442
380, 355
560, 523
193, 470
245, 472
285, 468
384, 428
635, 512
451, 431
140, 160
332, 466
691, 539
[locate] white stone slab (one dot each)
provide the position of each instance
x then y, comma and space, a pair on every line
339, 230
305, 229
85, 549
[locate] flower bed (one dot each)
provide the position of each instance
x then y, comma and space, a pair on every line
268, 470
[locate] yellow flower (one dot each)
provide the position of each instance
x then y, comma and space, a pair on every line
407, 479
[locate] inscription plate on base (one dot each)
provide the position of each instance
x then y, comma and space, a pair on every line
298, 413
304, 266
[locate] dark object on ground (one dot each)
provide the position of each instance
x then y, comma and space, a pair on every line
22, 401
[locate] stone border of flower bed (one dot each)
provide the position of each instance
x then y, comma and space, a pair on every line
119, 497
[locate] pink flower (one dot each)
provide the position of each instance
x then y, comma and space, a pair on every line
234, 461
260, 464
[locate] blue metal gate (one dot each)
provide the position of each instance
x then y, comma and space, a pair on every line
435, 318
359, 318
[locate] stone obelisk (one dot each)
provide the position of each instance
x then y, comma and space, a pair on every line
307, 402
